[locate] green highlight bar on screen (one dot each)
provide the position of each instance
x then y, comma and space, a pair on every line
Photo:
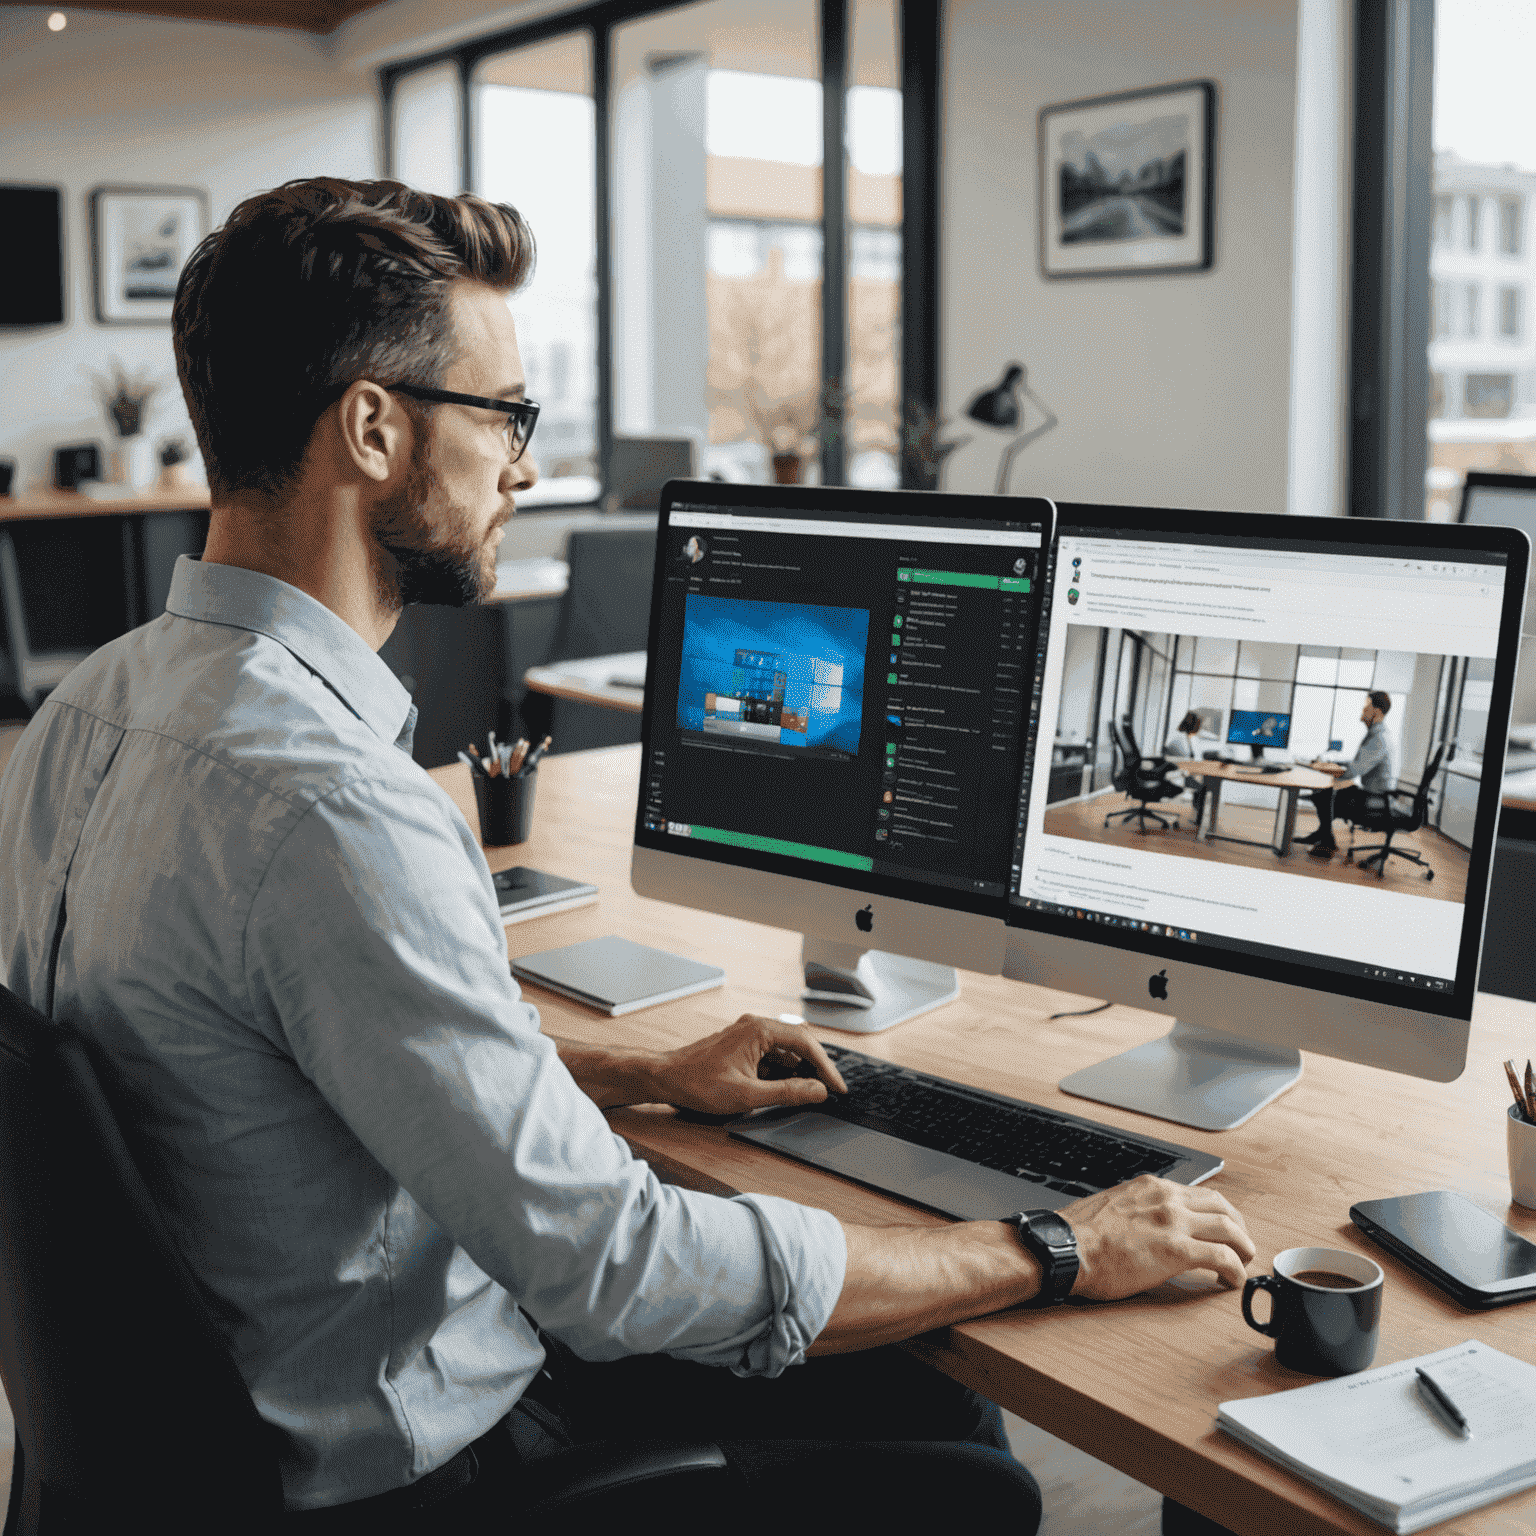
779, 845
1015, 583
946, 578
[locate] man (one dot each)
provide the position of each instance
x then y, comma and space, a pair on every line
219, 861
1184, 746
1371, 772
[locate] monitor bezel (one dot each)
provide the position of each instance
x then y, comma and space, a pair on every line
1488, 480
1366, 535
928, 506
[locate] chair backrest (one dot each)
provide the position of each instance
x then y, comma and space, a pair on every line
1426, 788
128, 1406
607, 605
1122, 773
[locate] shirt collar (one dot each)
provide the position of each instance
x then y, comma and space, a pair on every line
325, 643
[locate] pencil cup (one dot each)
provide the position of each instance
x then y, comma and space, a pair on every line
506, 807
1522, 1160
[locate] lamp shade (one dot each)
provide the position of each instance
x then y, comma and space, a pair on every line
999, 406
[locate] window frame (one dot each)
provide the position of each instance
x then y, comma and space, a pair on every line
919, 39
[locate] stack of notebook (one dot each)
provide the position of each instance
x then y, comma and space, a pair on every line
1374, 1441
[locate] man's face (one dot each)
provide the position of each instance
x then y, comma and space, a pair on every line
437, 536
1370, 714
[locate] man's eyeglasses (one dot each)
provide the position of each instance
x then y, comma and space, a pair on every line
521, 414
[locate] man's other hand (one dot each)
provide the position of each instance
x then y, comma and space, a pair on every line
1137, 1235
753, 1063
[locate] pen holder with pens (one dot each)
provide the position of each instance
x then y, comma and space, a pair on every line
1522, 1159
506, 807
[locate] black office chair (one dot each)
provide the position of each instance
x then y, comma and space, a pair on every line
129, 1409
1142, 779
34, 674
1404, 809
605, 612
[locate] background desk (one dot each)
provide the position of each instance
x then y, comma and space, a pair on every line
1290, 784
1135, 1383
590, 680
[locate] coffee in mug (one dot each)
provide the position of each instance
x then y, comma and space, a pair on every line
1325, 1310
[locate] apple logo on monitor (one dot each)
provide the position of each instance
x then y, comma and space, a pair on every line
865, 920
1157, 986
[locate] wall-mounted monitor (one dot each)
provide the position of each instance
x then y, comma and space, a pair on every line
33, 221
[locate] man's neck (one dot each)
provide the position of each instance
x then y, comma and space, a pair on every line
317, 544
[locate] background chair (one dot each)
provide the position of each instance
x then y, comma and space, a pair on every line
605, 612
34, 674
129, 1409
1142, 779
1404, 809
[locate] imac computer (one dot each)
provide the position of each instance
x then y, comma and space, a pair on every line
837, 710
1394, 640
1259, 728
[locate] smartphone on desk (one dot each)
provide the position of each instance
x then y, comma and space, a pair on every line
1469, 1254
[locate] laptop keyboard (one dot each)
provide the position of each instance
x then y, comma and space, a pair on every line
998, 1133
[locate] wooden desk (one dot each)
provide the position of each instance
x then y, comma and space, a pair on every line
587, 681
1135, 1383
1290, 784
49, 504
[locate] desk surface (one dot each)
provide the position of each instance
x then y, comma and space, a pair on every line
1135, 1383
45, 504
1240, 773
590, 680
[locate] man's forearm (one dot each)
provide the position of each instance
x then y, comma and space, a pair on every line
903, 1281
615, 1076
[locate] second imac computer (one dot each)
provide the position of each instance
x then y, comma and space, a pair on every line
836, 716
1336, 907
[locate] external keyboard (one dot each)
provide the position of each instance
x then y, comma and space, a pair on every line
1056, 1150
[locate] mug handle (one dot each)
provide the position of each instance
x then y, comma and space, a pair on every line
1271, 1329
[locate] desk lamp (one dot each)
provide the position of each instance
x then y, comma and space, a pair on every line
999, 407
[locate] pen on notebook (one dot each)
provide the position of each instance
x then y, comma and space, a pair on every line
1441, 1399
1522, 1103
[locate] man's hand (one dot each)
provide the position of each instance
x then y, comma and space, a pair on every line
1137, 1235
754, 1062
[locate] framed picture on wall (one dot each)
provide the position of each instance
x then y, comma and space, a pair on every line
141, 238
1126, 182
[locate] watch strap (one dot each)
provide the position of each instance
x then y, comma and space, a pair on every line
1052, 1242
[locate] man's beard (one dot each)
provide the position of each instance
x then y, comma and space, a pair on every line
419, 558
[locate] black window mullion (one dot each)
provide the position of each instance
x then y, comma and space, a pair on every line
466, 127
602, 97
920, 147
834, 241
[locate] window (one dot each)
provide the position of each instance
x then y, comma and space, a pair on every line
670, 158
1509, 313
1437, 394
1471, 302
1440, 309
1509, 225
1488, 394
1474, 222
535, 147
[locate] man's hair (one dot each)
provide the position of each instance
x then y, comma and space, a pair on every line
310, 287
1382, 701
1190, 723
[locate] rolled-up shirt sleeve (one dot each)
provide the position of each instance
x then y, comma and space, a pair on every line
374, 953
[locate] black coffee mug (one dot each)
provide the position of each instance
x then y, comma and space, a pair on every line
1326, 1329
506, 807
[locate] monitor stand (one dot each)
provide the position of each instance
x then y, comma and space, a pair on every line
866, 990
1194, 1076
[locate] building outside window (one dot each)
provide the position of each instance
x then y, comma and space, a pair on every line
1510, 210
1482, 366
1509, 313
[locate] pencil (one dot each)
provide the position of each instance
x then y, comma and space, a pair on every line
1514, 1088
1530, 1092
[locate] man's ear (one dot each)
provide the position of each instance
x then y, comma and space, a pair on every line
376, 434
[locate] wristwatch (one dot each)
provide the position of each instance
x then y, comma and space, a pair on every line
1054, 1244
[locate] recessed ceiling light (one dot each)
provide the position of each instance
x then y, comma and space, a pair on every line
58, 21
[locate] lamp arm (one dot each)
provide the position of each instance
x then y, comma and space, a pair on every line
1017, 446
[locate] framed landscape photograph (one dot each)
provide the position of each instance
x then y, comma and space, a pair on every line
1126, 182
141, 238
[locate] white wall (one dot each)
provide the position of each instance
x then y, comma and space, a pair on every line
1172, 390
131, 100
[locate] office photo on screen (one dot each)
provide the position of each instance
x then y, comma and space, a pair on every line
1264, 755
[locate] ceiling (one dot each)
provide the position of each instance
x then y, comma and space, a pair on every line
302, 15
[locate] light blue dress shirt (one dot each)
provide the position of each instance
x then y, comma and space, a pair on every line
1374, 765
218, 860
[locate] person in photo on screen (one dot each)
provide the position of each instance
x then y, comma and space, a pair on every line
1362, 782
1183, 745
430, 1256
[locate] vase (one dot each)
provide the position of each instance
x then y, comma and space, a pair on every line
133, 465
786, 469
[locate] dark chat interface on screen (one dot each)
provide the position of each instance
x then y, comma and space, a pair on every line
843, 689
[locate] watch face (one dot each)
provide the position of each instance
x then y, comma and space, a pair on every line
1051, 1229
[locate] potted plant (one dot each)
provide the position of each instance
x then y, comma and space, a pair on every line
125, 399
